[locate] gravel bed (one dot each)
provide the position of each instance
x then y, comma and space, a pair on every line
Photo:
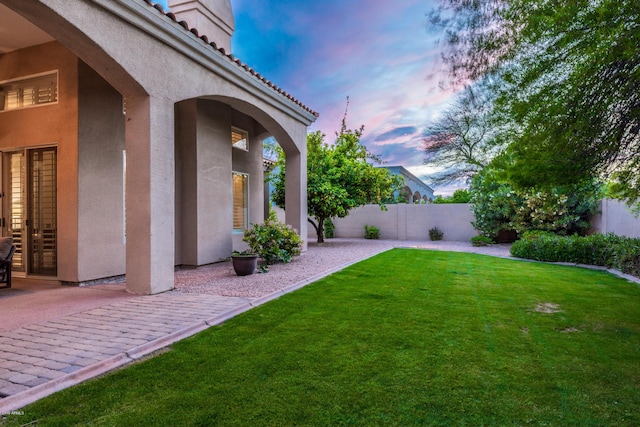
319, 259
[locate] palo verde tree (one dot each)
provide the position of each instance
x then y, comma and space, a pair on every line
340, 177
566, 77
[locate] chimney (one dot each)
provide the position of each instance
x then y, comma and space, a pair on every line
213, 18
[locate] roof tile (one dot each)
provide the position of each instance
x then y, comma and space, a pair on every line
213, 45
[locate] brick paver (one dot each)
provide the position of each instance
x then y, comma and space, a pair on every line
35, 354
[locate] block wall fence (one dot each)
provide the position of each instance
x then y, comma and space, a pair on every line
615, 217
409, 222
413, 222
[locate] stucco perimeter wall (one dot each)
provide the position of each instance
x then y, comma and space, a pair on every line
413, 222
409, 222
616, 218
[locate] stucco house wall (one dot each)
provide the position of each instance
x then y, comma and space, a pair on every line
101, 158
250, 162
203, 182
414, 190
205, 161
23, 128
182, 93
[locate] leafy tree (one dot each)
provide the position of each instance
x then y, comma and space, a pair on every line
566, 78
458, 196
339, 177
460, 139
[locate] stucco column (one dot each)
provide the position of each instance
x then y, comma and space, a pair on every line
150, 191
296, 193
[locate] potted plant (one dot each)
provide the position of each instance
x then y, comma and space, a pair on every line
244, 263
273, 241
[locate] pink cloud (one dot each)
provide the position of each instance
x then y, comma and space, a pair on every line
376, 52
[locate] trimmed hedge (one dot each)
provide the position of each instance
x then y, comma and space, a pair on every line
608, 250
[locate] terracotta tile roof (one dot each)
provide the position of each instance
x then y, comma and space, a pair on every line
221, 50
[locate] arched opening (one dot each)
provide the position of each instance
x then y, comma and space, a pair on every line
80, 218
104, 119
121, 172
220, 140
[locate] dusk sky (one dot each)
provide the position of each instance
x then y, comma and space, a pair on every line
379, 53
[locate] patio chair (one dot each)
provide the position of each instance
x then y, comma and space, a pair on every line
7, 249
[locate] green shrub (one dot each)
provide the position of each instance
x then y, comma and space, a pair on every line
273, 241
627, 257
606, 250
534, 234
371, 232
498, 205
481, 241
436, 234
494, 203
329, 228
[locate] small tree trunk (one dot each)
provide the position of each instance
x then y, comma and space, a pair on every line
320, 230
320, 240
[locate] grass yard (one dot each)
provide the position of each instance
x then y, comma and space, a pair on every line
410, 337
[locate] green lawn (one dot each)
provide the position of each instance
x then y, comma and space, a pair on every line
409, 337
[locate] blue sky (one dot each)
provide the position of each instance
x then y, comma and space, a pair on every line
379, 53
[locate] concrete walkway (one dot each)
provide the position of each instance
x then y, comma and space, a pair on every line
79, 333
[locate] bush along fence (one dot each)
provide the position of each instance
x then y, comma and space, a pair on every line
607, 250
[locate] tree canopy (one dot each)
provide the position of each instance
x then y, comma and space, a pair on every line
458, 196
339, 177
460, 140
566, 79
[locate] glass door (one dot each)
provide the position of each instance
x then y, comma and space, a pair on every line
14, 219
30, 209
42, 212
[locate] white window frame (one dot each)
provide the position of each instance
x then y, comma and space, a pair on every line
242, 144
21, 83
245, 209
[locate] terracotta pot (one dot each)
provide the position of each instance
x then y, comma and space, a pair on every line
244, 265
